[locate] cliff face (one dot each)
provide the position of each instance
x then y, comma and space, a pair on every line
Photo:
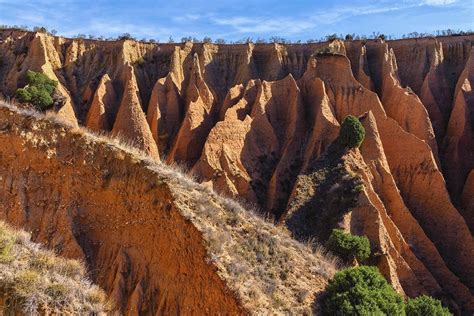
439, 71
251, 121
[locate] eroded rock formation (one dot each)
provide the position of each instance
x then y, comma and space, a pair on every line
255, 121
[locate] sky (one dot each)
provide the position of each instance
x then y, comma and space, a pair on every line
235, 20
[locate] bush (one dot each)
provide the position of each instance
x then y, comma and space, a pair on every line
324, 51
361, 291
331, 37
425, 305
126, 36
348, 246
352, 132
39, 90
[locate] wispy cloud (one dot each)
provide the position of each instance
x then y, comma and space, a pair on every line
297, 25
438, 2
187, 17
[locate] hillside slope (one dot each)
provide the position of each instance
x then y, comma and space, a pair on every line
157, 242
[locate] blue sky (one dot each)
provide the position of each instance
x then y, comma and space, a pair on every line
234, 20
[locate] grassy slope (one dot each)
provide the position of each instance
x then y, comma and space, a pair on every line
33, 279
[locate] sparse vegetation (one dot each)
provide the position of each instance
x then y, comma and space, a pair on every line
361, 291
258, 260
331, 37
40, 29
39, 90
348, 246
125, 36
324, 51
34, 279
426, 305
352, 132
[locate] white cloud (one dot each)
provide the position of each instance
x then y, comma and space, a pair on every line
438, 2
187, 18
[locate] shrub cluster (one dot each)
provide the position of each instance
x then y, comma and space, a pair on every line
361, 291
39, 90
352, 132
324, 51
348, 246
364, 291
425, 305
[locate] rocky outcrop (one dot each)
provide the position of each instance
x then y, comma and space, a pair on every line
446, 69
200, 117
44, 58
131, 124
165, 113
409, 229
420, 68
101, 113
324, 125
357, 54
279, 106
459, 140
237, 154
399, 103
431, 67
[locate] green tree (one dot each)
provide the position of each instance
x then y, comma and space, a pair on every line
426, 306
352, 132
361, 291
39, 90
348, 246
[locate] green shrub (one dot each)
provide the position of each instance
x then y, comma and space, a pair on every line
348, 246
361, 291
324, 51
425, 306
39, 90
352, 132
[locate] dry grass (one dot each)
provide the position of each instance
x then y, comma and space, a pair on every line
34, 280
270, 272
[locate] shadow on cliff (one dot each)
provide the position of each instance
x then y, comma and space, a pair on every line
323, 194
